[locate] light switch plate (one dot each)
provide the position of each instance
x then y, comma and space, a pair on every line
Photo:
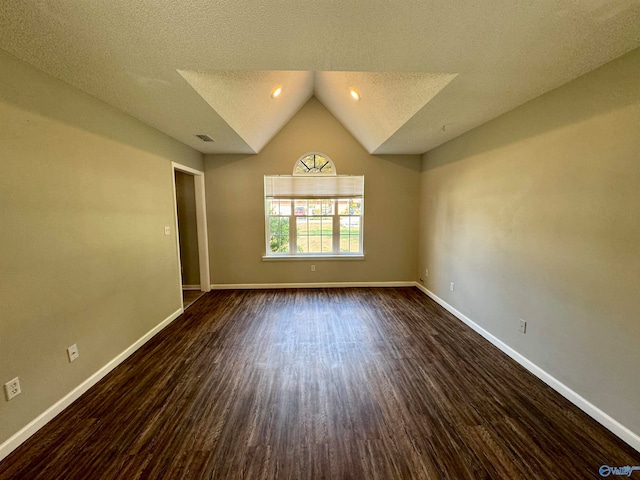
523, 326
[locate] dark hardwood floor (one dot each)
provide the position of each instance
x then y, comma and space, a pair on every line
189, 297
312, 384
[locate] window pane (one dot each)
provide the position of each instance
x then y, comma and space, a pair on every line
344, 225
315, 207
355, 243
305, 164
274, 225
285, 207
343, 207
355, 206
279, 207
315, 245
278, 234
350, 206
302, 207
323, 164
279, 226
273, 243
328, 207
315, 225
327, 226
302, 226
350, 232
327, 243
284, 244
303, 245
344, 243
278, 244
354, 225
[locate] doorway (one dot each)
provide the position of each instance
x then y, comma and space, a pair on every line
191, 233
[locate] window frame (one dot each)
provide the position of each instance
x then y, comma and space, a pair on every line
332, 172
293, 254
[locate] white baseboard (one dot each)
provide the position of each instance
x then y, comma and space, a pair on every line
583, 404
259, 286
191, 287
600, 416
21, 436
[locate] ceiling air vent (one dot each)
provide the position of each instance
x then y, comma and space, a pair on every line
205, 138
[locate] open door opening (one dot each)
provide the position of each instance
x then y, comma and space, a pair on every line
191, 233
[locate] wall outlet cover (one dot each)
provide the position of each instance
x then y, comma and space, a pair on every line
12, 388
72, 352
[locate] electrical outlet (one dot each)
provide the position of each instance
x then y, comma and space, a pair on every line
313, 268
451, 286
12, 388
73, 353
426, 272
167, 230
523, 326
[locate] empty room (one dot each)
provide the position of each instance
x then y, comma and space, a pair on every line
319, 240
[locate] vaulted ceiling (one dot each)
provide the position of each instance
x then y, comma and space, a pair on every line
426, 71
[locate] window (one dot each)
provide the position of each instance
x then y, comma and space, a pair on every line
314, 226
315, 163
314, 214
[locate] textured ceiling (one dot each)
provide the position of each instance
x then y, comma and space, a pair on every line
388, 100
182, 67
243, 99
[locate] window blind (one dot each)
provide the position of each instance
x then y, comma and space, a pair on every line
310, 186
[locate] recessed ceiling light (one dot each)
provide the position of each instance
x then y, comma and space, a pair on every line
276, 91
354, 93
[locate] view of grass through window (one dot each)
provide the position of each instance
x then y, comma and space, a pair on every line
315, 226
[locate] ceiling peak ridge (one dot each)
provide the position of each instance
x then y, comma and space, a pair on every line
372, 106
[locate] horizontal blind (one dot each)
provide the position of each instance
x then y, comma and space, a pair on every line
310, 186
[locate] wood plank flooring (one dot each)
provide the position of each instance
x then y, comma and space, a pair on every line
189, 297
319, 384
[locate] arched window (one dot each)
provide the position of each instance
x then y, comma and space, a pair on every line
315, 163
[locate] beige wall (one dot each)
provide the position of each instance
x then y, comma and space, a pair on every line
235, 207
186, 200
536, 215
85, 193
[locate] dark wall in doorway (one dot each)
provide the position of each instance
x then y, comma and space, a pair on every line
185, 197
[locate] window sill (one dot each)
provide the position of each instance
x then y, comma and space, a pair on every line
271, 258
